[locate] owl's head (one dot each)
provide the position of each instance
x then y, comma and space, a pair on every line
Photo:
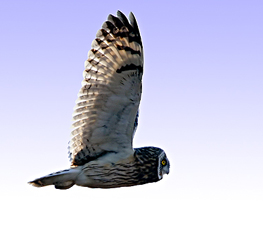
153, 163
163, 165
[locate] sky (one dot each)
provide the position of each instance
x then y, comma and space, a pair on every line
201, 103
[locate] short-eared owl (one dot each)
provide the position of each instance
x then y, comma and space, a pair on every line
106, 116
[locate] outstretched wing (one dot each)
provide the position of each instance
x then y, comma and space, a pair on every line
106, 109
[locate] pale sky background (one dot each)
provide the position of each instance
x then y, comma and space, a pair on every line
201, 103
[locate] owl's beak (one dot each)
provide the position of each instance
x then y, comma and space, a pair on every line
166, 170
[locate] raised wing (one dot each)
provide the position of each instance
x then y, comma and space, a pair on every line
106, 109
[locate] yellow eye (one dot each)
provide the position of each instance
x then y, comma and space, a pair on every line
163, 162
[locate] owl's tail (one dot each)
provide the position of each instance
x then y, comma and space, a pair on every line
63, 179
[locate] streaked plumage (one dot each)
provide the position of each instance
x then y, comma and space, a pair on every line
106, 116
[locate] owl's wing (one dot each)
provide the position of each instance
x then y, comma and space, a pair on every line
105, 115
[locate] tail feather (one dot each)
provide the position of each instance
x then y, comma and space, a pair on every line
63, 179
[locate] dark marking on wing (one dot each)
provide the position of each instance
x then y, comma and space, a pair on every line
129, 67
129, 49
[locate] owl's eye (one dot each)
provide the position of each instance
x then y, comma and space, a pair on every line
163, 162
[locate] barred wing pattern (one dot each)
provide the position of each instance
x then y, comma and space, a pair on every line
105, 114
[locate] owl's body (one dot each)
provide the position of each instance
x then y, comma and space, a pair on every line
106, 116
112, 170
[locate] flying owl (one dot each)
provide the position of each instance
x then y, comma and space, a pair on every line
106, 116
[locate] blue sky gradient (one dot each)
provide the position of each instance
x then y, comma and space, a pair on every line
202, 103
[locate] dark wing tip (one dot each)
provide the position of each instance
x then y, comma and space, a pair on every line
135, 26
134, 22
121, 20
115, 20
